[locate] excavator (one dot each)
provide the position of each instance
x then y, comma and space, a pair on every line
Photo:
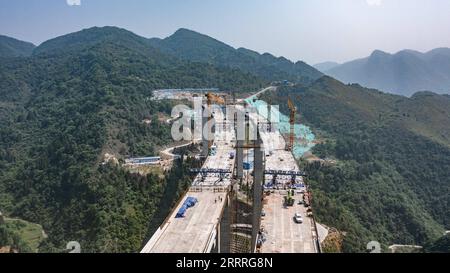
292, 110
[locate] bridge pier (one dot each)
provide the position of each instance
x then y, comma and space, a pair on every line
205, 142
239, 159
223, 230
257, 190
208, 130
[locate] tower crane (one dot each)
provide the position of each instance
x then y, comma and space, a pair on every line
213, 99
293, 110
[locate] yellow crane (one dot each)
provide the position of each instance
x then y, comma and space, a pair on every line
293, 110
213, 99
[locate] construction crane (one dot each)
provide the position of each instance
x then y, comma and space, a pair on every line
212, 99
292, 174
293, 110
204, 172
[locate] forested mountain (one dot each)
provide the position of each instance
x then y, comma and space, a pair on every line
77, 97
10, 47
194, 46
391, 181
403, 73
82, 95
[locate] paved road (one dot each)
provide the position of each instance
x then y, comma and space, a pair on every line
270, 88
283, 234
168, 152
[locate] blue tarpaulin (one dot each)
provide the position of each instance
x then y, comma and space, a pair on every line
188, 203
181, 212
191, 201
247, 165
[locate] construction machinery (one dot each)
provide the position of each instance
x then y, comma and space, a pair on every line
292, 110
205, 171
210, 100
214, 99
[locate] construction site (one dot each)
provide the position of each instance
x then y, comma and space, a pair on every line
249, 196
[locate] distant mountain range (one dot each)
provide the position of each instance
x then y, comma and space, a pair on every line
403, 73
10, 47
193, 46
183, 44
323, 67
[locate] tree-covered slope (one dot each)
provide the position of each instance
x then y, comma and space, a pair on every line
10, 47
78, 97
194, 46
442, 245
390, 182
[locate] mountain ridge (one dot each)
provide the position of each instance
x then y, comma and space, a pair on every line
194, 46
405, 72
86, 93
324, 66
78, 97
90, 37
12, 47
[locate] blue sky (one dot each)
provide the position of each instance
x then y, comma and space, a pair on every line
309, 30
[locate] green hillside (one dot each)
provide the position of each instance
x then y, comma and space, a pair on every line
390, 182
10, 47
78, 97
21, 235
197, 47
442, 245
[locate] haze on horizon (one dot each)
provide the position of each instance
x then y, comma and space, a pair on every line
310, 30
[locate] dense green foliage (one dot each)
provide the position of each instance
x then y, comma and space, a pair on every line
9, 237
194, 46
86, 94
10, 47
76, 98
391, 180
442, 245
20, 235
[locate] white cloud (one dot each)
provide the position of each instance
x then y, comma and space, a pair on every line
74, 2
374, 2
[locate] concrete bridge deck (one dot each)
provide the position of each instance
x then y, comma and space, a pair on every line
193, 234
196, 232
281, 232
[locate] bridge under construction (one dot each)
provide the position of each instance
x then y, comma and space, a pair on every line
241, 193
